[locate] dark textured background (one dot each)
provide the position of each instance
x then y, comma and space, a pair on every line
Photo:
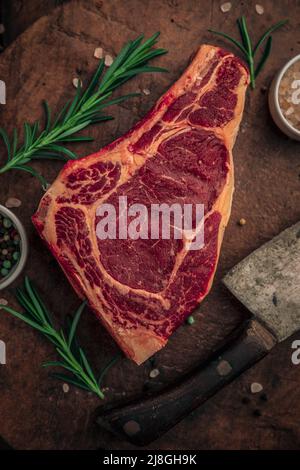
40, 63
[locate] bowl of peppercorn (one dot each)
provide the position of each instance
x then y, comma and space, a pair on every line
13, 247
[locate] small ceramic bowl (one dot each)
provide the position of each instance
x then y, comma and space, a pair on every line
19, 266
275, 109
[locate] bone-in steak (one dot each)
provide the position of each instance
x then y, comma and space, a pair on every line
142, 290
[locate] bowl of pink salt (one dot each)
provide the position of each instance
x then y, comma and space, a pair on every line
284, 98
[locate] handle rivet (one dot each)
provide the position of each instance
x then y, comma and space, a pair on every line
131, 428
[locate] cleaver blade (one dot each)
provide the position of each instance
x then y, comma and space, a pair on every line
267, 282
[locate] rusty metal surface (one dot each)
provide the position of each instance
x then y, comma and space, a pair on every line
41, 63
267, 282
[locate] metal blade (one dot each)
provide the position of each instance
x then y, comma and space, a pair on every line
267, 282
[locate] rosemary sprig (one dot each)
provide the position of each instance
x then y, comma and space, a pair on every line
247, 48
73, 358
85, 109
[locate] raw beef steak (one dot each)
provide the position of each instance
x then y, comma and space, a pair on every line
142, 290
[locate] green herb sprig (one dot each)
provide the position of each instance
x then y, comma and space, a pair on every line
248, 50
73, 358
85, 109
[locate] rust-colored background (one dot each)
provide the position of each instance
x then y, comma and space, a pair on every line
40, 63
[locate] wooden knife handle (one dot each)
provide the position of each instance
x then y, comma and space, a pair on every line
146, 420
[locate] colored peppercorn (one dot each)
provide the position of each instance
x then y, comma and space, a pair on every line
6, 264
9, 246
7, 223
190, 320
16, 255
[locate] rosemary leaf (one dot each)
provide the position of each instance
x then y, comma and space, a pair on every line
24, 318
82, 111
74, 105
60, 149
267, 33
35, 128
246, 46
78, 138
264, 57
49, 155
15, 142
86, 364
136, 71
27, 136
42, 305
57, 364
116, 63
60, 115
37, 316
92, 86
106, 369
35, 302
75, 323
118, 100
33, 172
5, 138
47, 115
242, 32
234, 41
74, 346
26, 304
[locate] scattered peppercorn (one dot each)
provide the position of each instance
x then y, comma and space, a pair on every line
242, 221
257, 413
190, 320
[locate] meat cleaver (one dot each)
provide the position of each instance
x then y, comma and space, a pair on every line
267, 282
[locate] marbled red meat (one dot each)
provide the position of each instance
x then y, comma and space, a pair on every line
180, 153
